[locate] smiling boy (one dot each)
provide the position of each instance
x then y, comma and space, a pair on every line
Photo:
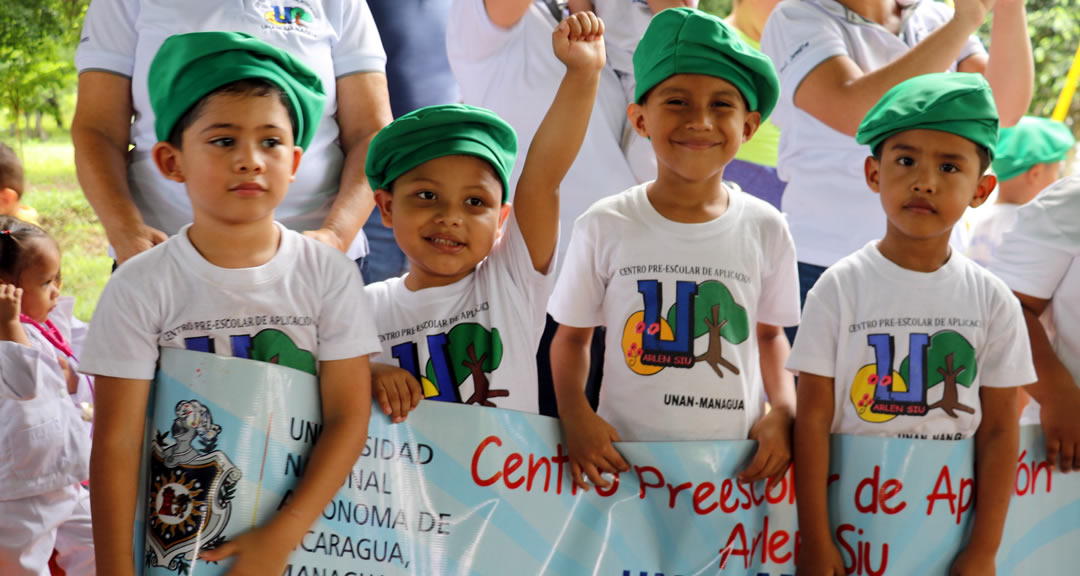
906, 337
692, 277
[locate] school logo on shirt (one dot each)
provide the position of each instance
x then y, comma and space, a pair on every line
288, 15
467, 351
191, 487
296, 16
946, 358
652, 342
269, 345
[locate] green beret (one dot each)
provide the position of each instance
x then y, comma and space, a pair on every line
957, 103
1032, 141
437, 131
689, 41
187, 67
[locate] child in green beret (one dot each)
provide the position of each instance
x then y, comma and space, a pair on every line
232, 115
907, 338
464, 324
692, 277
1029, 158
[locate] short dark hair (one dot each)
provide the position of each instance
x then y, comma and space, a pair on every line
249, 87
980, 150
15, 235
11, 170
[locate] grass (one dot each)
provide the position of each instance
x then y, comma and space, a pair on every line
53, 190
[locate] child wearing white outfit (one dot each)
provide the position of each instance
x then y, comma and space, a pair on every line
44, 441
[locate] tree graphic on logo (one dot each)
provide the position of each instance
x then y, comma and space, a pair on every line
950, 360
473, 351
717, 314
275, 347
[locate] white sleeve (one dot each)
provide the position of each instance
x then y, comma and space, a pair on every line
1006, 360
511, 256
470, 33
797, 38
22, 367
578, 298
779, 302
815, 348
123, 338
944, 14
346, 326
1036, 253
108, 37
358, 47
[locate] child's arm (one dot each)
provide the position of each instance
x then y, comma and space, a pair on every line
996, 443
1010, 69
839, 94
578, 43
345, 395
773, 431
119, 425
11, 329
588, 436
1057, 394
813, 422
396, 390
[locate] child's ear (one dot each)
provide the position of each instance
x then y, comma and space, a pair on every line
9, 201
504, 211
986, 185
298, 153
872, 167
636, 113
167, 160
750, 125
384, 199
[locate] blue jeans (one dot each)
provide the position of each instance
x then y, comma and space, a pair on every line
384, 259
808, 276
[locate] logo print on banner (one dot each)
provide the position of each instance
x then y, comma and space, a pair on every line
467, 350
190, 490
651, 343
880, 394
285, 15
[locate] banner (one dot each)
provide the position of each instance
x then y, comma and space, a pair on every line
469, 490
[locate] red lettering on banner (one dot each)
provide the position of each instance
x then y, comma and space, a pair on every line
701, 494
861, 554
771, 545
658, 481
957, 502
513, 462
476, 462
880, 494
726, 488
613, 485
536, 466
1030, 475
742, 490
673, 492
739, 532
559, 460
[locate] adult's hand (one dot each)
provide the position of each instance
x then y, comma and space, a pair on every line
129, 241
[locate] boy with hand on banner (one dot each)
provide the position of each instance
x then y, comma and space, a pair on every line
693, 278
906, 337
233, 115
464, 324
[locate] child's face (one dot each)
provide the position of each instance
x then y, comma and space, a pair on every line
696, 124
446, 214
926, 180
237, 160
40, 279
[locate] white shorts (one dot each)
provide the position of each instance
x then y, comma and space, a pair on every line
33, 527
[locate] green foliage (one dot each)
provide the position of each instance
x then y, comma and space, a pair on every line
459, 339
719, 7
942, 345
712, 294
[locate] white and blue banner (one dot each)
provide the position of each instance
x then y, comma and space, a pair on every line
469, 490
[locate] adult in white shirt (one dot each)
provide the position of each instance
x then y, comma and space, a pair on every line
835, 59
1039, 258
138, 207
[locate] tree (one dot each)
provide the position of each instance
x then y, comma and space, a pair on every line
950, 360
275, 347
472, 351
717, 314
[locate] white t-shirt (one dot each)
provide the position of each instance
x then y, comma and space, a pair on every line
896, 342
44, 443
1040, 257
305, 305
831, 210
681, 303
989, 225
515, 73
334, 38
473, 341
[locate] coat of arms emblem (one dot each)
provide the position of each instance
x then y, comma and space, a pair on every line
191, 486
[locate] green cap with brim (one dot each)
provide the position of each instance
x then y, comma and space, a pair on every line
689, 41
1031, 142
956, 103
187, 67
436, 131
